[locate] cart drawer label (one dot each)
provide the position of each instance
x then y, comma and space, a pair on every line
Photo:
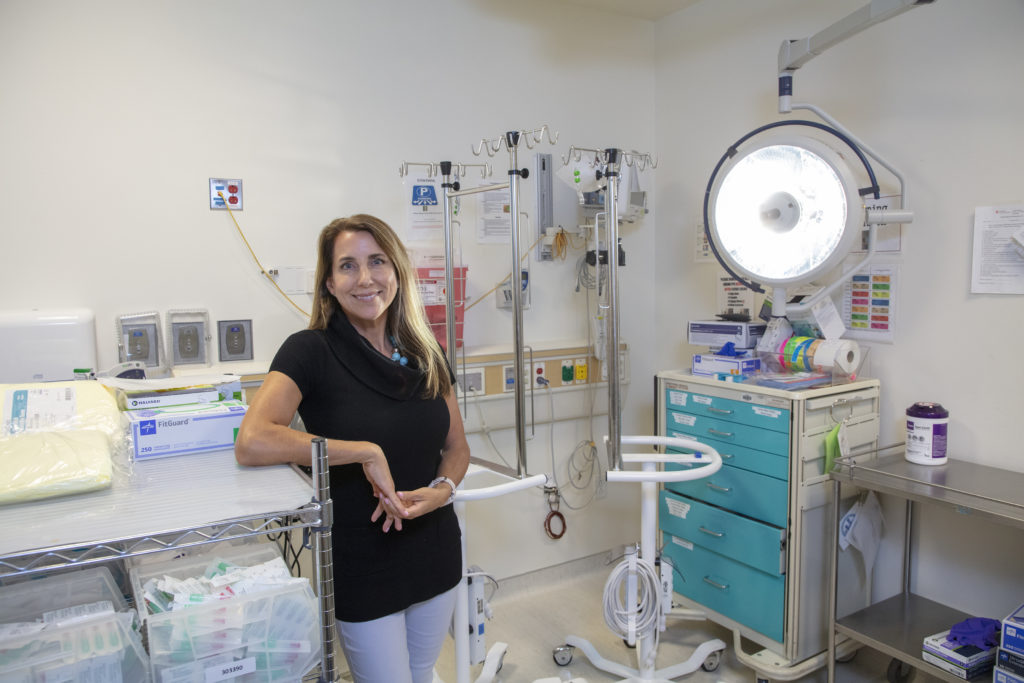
677, 508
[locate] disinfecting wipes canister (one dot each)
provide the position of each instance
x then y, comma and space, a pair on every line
927, 425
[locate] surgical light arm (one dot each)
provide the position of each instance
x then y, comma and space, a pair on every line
795, 53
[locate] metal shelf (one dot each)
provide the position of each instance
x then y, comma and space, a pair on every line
170, 503
897, 626
988, 492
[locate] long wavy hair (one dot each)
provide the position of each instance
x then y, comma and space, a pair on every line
406, 321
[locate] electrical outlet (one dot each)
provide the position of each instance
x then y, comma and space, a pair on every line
508, 374
568, 372
581, 369
540, 374
472, 381
226, 193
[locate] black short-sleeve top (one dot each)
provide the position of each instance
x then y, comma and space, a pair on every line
351, 392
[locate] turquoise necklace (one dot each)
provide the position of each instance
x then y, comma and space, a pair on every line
395, 355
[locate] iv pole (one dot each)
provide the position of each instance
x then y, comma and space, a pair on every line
640, 564
511, 141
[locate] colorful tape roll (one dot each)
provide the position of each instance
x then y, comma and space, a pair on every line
808, 354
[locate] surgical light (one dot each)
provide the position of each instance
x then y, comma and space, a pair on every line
785, 211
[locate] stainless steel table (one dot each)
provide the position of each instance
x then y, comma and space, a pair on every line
896, 626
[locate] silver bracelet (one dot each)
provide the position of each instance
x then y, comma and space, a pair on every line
449, 482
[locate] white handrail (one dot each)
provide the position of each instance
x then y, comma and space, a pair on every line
703, 454
484, 492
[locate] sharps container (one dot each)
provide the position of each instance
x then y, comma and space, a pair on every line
927, 425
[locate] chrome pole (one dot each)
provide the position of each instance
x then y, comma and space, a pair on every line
449, 271
611, 356
324, 566
516, 285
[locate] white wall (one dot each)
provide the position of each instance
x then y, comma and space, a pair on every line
936, 92
116, 113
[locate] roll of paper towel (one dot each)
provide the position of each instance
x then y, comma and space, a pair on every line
843, 354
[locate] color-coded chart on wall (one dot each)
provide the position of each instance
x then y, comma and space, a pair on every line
869, 304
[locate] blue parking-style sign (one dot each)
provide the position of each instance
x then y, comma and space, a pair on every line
424, 195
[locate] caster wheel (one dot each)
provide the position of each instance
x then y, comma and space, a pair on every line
562, 655
848, 658
899, 672
712, 661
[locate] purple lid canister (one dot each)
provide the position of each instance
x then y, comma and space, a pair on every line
927, 432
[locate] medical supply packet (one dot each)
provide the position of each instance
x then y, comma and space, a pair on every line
265, 632
1012, 638
179, 430
59, 438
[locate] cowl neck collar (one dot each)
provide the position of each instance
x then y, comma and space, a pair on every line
377, 372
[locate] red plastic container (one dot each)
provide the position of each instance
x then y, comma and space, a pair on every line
433, 291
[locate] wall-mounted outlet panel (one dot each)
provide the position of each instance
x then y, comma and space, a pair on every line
568, 372
234, 339
540, 374
226, 193
503, 294
472, 381
581, 369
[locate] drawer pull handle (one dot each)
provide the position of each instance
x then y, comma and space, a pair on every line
709, 532
726, 456
717, 585
715, 487
718, 433
720, 411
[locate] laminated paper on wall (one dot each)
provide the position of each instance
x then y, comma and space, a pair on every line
56, 439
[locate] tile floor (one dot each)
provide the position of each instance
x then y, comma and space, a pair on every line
535, 613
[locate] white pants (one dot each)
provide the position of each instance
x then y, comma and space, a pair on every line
401, 647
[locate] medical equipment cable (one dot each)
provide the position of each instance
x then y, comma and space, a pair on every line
263, 271
648, 608
260, 265
587, 468
487, 433
489, 578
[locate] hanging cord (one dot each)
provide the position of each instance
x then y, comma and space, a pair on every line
487, 433
618, 606
585, 277
563, 242
263, 270
553, 513
582, 465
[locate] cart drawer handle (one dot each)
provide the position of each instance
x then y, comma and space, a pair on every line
709, 532
717, 585
718, 433
719, 488
720, 411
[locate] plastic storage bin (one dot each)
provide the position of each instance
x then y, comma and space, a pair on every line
105, 647
270, 635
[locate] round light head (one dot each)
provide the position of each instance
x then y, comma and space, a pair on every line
784, 211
